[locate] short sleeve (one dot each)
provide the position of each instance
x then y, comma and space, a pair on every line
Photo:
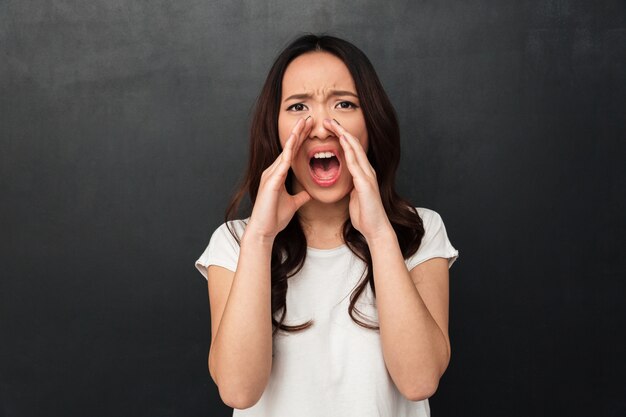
435, 242
222, 250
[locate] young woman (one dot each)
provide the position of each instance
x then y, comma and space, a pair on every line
328, 244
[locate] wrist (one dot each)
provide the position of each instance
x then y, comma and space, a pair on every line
253, 237
384, 237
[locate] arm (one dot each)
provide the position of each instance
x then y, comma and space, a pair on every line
413, 323
242, 350
240, 358
413, 317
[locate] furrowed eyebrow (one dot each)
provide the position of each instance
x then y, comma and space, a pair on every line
333, 93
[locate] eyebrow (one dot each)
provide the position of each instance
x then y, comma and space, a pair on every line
332, 94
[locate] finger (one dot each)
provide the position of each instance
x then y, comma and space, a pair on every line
359, 152
279, 157
287, 152
353, 165
294, 132
301, 199
297, 128
283, 157
306, 130
334, 126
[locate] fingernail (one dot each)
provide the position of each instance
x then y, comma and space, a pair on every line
307, 118
337, 122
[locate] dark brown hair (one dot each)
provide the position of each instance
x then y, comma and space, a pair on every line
290, 247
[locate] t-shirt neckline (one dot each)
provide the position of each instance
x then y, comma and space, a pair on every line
327, 252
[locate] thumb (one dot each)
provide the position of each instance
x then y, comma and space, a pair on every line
353, 194
301, 198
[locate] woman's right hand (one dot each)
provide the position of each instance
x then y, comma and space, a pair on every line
274, 206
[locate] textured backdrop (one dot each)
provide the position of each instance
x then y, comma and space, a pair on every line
123, 131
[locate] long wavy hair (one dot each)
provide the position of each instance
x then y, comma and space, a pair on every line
290, 246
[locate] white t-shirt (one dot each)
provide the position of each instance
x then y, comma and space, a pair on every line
335, 367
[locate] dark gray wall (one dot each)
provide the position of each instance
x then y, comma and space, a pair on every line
123, 132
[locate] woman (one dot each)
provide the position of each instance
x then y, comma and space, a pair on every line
326, 223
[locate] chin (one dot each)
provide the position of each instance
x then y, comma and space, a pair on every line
327, 197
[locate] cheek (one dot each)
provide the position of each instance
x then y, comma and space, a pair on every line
360, 132
363, 139
283, 134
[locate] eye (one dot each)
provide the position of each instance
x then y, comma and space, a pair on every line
350, 104
294, 105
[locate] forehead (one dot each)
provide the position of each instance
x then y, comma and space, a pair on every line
315, 72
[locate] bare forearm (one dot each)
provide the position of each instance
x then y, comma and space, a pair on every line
242, 352
414, 347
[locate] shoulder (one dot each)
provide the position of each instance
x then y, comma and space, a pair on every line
226, 230
223, 246
435, 242
429, 217
425, 212
432, 221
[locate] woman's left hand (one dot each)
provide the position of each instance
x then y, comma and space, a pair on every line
367, 212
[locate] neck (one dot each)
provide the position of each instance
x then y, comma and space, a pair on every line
325, 217
323, 222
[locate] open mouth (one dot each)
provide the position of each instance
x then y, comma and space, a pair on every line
325, 170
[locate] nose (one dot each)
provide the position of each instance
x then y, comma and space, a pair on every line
318, 130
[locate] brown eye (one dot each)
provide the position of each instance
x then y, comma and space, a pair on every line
294, 105
349, 103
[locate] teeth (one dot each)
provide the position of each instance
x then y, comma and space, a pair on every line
323, 155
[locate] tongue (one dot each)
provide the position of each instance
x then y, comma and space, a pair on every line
325, 168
